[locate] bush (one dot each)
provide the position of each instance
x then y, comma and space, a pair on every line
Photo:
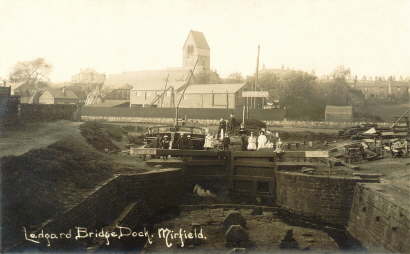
115, 132
97, 136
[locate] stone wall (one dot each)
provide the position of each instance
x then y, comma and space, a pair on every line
158, 189
379, 221
47, 112
323, 198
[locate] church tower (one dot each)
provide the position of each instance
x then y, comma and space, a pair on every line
196, 46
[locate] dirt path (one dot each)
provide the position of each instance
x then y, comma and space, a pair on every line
31, 136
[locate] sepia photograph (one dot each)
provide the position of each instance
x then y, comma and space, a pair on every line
205, 126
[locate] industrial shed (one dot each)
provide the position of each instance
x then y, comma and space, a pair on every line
213, 96
339, 113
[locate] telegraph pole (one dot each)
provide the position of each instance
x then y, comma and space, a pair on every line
256, 76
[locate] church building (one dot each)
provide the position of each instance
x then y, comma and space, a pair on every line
163, 88
196, 47
149, 85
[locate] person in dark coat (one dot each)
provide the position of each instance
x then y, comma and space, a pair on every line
226, 142
165, 142
231, 124
165, 145
244, 138
190, 143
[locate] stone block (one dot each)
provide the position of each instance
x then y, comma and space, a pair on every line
234, 218
236, 236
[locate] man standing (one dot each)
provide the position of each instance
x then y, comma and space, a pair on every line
244, 138
232, 124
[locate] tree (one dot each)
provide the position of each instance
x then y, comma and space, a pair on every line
301, 96
32, 72
297, 91
235, 77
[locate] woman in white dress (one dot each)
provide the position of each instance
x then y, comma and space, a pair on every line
262, 139
252, 142
209, 142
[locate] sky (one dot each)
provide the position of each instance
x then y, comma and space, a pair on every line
371, 37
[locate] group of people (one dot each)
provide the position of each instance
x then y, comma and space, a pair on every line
265, 139
175, 141
227, 127
212, 141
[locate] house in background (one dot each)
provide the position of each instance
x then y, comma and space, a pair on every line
58, 96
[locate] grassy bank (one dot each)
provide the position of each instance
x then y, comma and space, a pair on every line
42, 182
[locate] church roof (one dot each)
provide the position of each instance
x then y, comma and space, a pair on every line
149, 79
199, 39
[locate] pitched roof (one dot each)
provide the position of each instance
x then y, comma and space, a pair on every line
149, 79
59, 94
199, 39
214, 88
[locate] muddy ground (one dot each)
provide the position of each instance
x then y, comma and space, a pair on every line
266, 233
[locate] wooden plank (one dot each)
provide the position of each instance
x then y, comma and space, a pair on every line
143, 151
168, 163
191, 153
317, 154
294, 154
297, 163
205, 162
270, 154
252, 163
252, 154
368, 175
